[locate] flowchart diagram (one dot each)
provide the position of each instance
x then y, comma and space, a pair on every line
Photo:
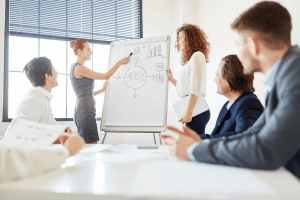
136, 76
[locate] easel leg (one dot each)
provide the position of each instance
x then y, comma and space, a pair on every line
159, 138
103, 138
154, 138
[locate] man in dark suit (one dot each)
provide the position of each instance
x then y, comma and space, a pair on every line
243, 107
274, 139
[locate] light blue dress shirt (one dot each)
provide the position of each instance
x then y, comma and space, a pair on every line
268, 81
270, 77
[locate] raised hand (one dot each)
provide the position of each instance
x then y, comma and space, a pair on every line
124, 61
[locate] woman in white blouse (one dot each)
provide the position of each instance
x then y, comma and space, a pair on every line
192, 42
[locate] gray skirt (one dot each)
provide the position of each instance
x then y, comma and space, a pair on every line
85, 118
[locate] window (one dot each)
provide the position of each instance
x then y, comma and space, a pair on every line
46, 27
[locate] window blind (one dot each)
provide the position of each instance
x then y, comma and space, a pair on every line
102, 21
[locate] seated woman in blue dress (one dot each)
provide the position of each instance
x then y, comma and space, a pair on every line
243, 107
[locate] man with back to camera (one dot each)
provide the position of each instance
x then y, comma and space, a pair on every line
36, 105
243, 107
265, 46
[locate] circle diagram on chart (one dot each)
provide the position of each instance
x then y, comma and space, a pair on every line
135, 77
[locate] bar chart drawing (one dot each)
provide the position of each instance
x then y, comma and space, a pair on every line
156, 51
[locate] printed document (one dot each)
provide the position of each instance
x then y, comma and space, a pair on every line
26, 133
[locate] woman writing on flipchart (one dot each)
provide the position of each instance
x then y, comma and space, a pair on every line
82, 79
192, 43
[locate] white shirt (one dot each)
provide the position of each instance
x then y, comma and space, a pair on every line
36, 107
228, 105
192, 76
16, 163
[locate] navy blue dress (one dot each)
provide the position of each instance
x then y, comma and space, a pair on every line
241, 115
85, 111
199, 122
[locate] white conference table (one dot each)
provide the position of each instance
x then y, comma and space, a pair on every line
96, 175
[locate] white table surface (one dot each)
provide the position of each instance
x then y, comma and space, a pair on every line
90, 176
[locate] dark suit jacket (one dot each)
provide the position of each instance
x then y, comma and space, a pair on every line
242, 114
274, 139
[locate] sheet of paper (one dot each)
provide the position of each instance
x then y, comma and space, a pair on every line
181, 106
95, 148
137, 91
189, 180
26, 133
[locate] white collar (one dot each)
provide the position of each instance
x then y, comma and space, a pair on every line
229, 105
45, 92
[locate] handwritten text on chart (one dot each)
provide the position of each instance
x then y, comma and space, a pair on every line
135, 77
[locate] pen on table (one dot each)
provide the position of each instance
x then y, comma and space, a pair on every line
130, 55
147, 147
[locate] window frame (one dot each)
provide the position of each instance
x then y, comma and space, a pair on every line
5, 117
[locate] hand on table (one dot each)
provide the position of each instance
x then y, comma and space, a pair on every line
179, 141
74, 143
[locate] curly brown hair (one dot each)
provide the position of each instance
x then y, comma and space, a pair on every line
196, 40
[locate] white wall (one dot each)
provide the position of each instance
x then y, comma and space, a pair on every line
163, 17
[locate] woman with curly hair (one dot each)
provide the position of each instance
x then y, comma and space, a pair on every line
192, 42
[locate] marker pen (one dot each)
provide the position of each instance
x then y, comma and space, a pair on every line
130, 55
